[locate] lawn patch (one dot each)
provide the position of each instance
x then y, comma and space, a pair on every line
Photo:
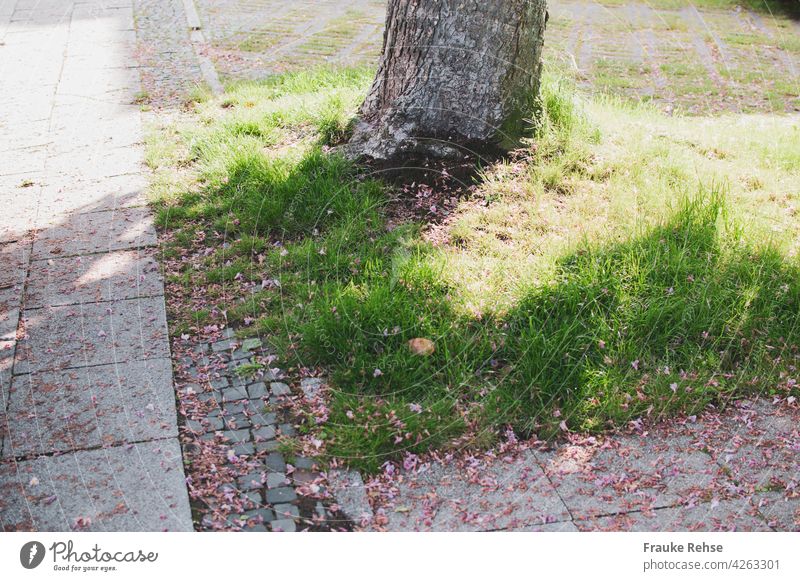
622, 266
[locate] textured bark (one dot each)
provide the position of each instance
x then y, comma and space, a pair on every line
455, 77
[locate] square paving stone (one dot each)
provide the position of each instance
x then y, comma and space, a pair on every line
284, 526
93, 278
500, 495
727, 515
264, 433
275, 462
281, 495
268, 446
286, 511
261, 515
235, 436
137, 487
257, 390
634, 473
90, 407
94, 232
251, 481
244, 449
94, 334
233, 396
279, 389
276, 480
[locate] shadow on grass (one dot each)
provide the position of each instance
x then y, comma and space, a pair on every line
677, 318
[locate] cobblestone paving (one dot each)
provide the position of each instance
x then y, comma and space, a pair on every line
88, 427
679, 56
237, 430
169, 65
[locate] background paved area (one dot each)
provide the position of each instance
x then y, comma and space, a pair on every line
88, 428
699, 60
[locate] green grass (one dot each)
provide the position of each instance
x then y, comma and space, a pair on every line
625, 265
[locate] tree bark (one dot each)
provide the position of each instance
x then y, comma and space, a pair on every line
456, 78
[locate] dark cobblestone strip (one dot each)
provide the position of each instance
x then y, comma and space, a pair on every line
236, 433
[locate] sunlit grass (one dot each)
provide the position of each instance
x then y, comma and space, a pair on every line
624, 264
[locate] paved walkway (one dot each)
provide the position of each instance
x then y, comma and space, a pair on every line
701, 60
88, 423
736, 471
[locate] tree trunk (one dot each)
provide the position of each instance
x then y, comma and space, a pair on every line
456, 78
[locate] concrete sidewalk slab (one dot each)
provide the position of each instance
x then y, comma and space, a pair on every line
93, 334
79, 234
503, 495
724, 516
90, 407
135, 487
93, 278
634, 473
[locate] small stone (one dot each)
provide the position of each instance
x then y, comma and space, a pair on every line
220, 383
196, 388
200, 348
268, 446
215, 423
251, 344
286, 511
278, 389
196, 426
229, 333
265, 419
235, 407
210, 396
303, 463
237, 393
284, 526
226, 345
240, 354
311, 386
276, 479
257, 390
236, 435
319, 508
251, 481
287, 430
281, 495
237, 422
265, 433
301, 476
244, 449
254, 528
261, 515
252, 499
275, 462
270, 375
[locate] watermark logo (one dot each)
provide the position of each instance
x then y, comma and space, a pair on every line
31, 554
